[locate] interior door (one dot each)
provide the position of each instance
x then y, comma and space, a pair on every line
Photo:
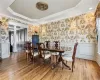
35, 40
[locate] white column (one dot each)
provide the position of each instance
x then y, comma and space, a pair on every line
27, 35
15, 44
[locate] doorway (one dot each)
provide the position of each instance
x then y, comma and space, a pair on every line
17, 38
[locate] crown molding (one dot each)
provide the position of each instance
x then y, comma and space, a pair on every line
53, 17
38, 20
65, 17
18, 20
19, 15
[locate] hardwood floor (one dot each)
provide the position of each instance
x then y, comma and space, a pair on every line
18, 68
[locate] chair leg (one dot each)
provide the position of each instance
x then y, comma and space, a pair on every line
56, 58
30, 56
26, 55
43, 60
62, 66
33, 59
66, 62
50, 60
72, 65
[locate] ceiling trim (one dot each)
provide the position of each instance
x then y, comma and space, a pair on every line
17, 19
36, 20
45, 19
64, 17
20, 15
59, 13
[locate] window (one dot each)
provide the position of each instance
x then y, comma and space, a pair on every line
98, 33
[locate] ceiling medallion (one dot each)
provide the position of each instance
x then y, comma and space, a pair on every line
42, 6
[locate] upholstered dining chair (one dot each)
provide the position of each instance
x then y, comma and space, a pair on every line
47, 44
43, 54
28, 50
56, 45
33, 52
71, 58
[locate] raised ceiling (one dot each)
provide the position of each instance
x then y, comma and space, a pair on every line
28, 7
63, 9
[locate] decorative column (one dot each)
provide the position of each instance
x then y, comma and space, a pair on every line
15, 43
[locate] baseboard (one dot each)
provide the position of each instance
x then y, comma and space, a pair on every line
86, 57
98, 63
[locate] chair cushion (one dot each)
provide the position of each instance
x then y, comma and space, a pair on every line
67, 58
65, 53
26, 51
47, 56
35, 53
47, 51
55, 53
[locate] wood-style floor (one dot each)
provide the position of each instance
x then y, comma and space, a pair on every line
18, 68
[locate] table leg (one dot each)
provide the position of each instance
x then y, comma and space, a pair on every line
66, 65
61, 60
55, 65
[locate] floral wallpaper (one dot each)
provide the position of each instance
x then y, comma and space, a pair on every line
4, 29
33, 30
80, 28
97, 13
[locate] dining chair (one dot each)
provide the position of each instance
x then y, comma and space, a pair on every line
71, 58
43, 54
56, 45
33, 52
28, 51
47, 44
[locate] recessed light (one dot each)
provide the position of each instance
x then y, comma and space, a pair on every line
90, 8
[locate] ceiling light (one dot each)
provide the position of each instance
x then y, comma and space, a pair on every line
42, 6
90, 8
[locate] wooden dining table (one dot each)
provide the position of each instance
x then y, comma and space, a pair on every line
61, 51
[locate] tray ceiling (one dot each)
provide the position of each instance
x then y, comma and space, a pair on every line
26, 11
28, 7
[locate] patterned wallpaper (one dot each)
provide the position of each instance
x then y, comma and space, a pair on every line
97, 13
31, 31
80, 28
4, 29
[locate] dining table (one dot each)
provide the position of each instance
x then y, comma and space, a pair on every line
61, 51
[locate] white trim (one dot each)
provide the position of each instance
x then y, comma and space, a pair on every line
37, 20
88, 52
44, 19
27, 22
19, 15
98, 63
64, 17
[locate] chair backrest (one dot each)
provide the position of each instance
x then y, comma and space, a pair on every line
74, 51
40, 46
47, 44
32, 47
27, 45
57, 44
